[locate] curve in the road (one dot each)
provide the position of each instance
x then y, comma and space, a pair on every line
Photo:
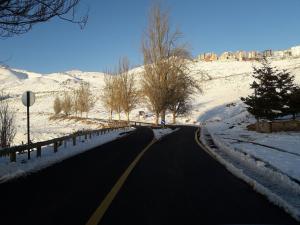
177, 182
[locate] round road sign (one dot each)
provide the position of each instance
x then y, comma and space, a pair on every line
31, 98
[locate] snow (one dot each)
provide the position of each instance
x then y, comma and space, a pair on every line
228, 124
219, 109
160, 133
277, 187
224, 83
273, 168
23, 166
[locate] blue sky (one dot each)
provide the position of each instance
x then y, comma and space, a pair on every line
115, 28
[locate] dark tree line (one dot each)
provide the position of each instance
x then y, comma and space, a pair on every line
275, 93
18, 16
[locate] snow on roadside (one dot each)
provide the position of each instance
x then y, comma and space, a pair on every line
23, 166
229, 126
277, 187
272, 171
159, 133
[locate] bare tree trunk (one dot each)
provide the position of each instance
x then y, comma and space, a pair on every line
156, 118
127, 114
119, 114
163, 115
174, 117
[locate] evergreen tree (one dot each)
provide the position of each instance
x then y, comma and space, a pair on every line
294, 102
285, 87
266, 101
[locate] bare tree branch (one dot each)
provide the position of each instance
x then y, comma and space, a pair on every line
18, 16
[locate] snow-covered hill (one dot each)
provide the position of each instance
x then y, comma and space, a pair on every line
219, 108
225, 82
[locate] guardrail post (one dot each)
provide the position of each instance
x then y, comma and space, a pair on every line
74, 140
85, 136
13, 156
55, 146
90, 135
38, 151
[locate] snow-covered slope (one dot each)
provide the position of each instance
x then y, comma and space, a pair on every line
225, 82
219, 107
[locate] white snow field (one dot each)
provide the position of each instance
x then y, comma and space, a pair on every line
224, 83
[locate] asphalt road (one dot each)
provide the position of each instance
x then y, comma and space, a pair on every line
175, 182
68, 192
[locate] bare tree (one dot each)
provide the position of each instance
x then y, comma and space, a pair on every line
108, 93
159, 49
127, 94
18, 16
117, 94
7, 123
67, 104
75, 96
57, 106
85, 101
182, 86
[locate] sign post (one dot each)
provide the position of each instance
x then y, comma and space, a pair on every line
28, 99
163, 123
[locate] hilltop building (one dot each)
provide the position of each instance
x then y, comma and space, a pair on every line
295, 51
240, 55
251, 55
208, 57
267, 53
278, 54
227, 56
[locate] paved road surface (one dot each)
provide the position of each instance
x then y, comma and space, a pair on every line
67, 193
175, 182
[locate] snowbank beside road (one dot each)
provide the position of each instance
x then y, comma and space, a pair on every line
272, 170
229, 126
23, 166
160, 133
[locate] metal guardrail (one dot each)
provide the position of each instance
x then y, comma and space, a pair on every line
56, 142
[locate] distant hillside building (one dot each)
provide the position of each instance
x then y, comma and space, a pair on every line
295, 51
208, 57
287, 53
240, 55
227, 56
268, 53
252, 55
278, 54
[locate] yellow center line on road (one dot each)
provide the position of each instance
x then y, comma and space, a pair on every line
100, 211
